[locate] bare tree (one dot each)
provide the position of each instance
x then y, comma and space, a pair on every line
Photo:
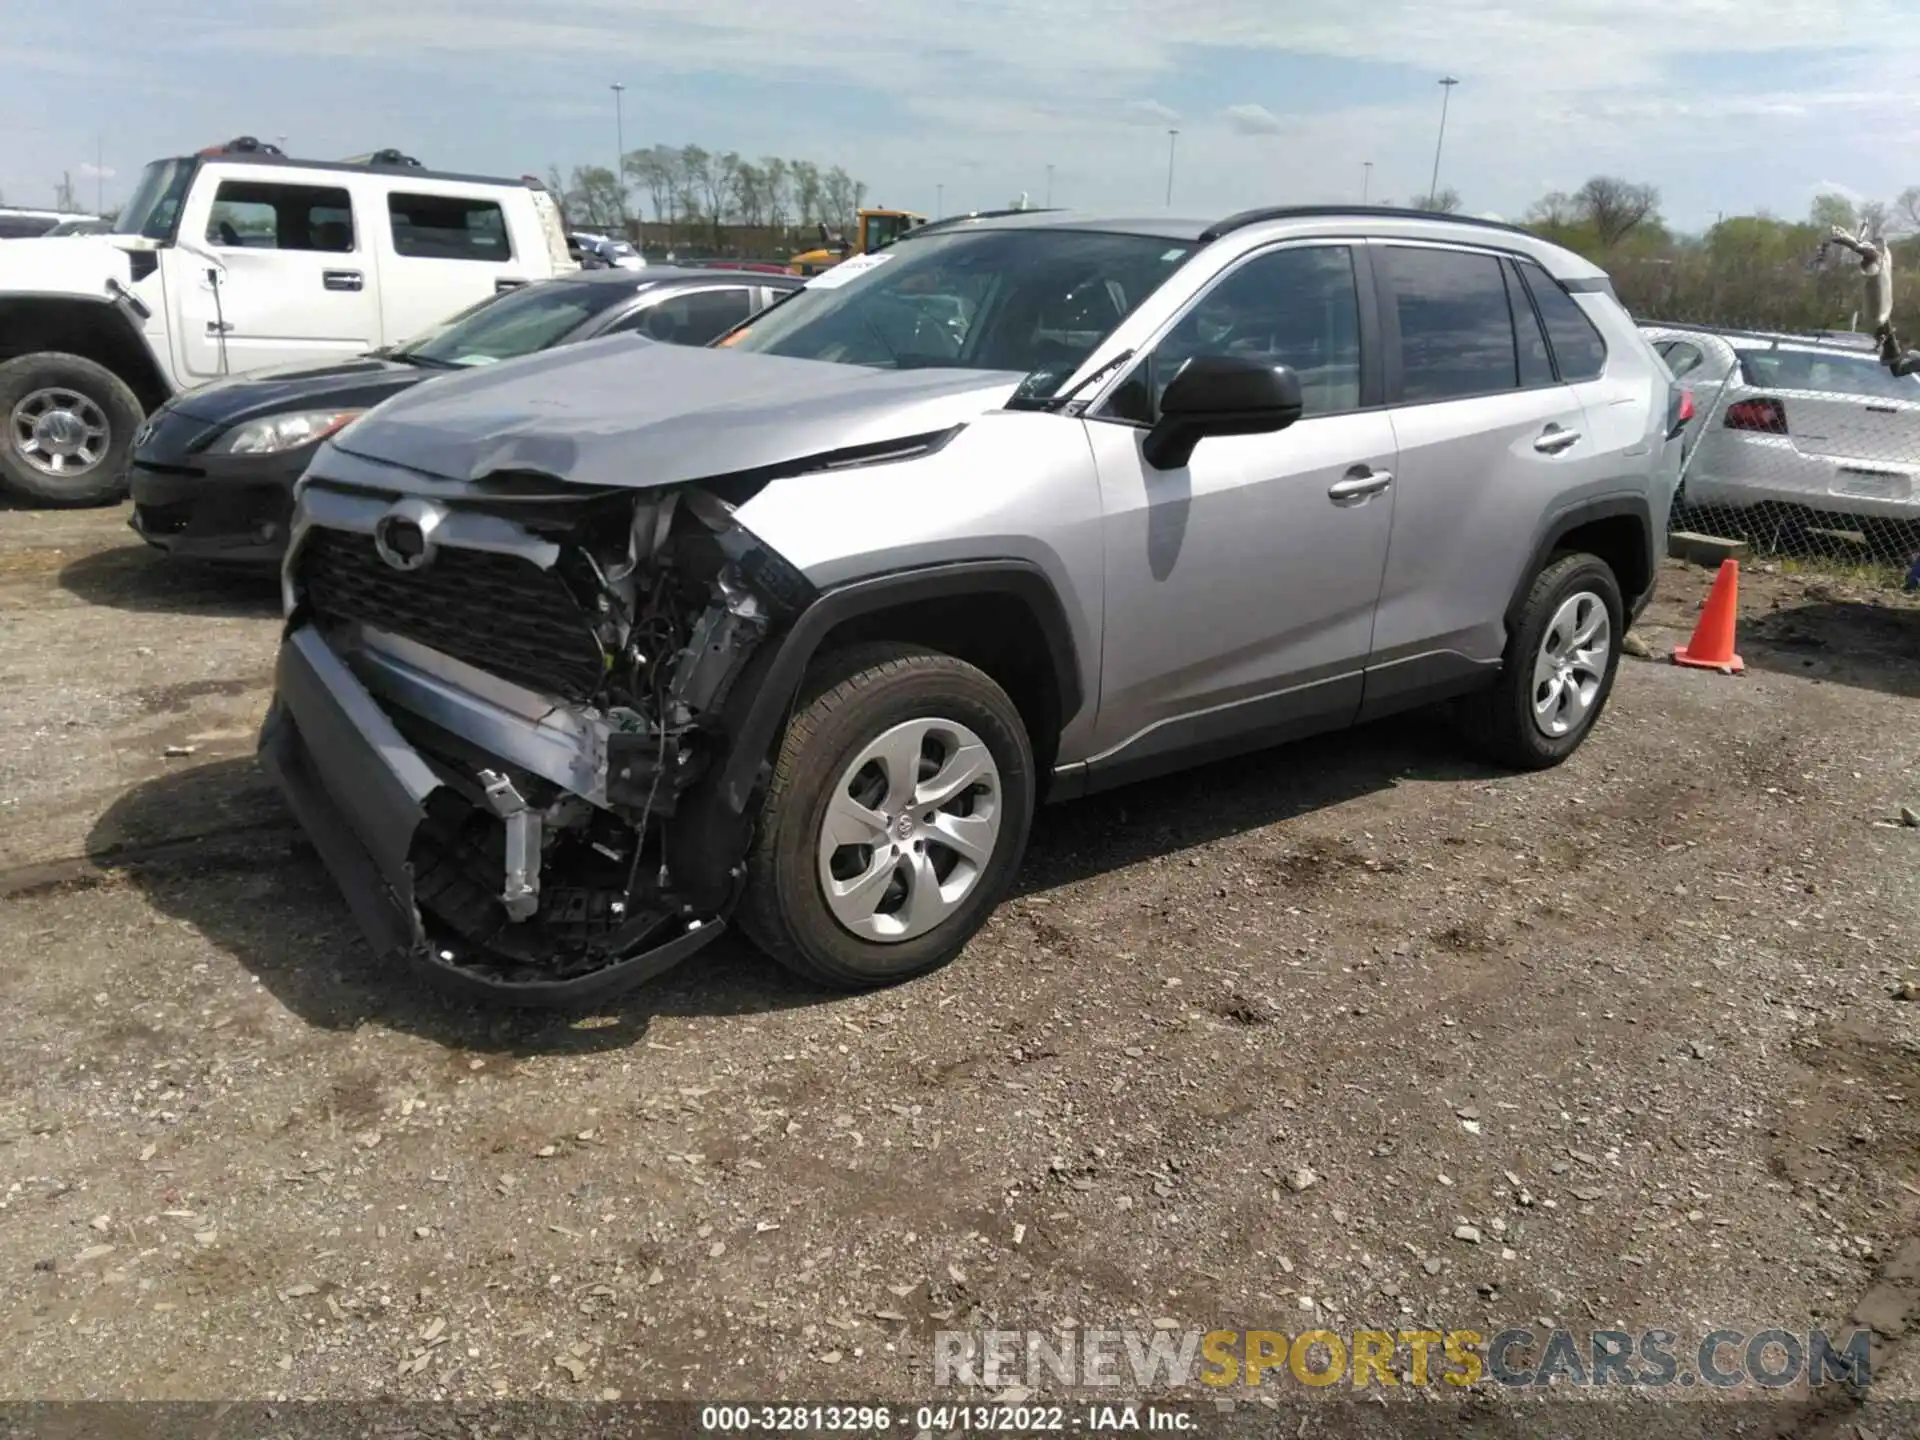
594, 196
689, 179
1905, 218
1830, 210
1555, 210
652, 169
1615, 208
1444, 201
806, 191
749, 192
779, 176
838, 194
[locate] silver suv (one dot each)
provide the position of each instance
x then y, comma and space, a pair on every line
592, 654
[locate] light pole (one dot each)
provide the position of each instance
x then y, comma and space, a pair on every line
99, 176
620, 155
1446, 94
1173, 137
939, 202
1366, 182
1049, 187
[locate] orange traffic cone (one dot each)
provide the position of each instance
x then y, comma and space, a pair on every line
1712, 644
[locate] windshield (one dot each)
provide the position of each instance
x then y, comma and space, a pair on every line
1031, 301
154, 208
503, 327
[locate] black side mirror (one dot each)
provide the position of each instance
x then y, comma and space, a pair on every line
1220, 395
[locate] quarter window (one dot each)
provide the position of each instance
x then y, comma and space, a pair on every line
261, 215
1577, 347
448, 227
1456, 328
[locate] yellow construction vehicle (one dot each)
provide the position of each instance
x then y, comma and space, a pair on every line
877, 228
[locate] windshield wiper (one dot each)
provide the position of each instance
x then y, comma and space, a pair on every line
425, 362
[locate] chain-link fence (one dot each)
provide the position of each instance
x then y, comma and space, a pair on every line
1802, 445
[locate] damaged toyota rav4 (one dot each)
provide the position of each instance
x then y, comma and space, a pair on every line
592, 655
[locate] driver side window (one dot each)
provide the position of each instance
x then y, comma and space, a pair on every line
1297, 307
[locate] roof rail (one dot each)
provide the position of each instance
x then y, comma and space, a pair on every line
1378, 212
981, 215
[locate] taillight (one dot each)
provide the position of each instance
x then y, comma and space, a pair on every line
1686, 406
1769, 417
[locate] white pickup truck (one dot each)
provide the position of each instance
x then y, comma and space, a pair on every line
231, 260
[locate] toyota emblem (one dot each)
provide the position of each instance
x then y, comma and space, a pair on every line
404, 536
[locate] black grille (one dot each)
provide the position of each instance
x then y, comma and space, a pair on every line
499, 613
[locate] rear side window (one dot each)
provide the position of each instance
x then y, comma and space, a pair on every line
1456, 330
449, 227
1577, 346
263, 215
24, 227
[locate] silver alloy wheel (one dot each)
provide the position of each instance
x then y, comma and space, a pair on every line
59, 432
911, 825
1571, 665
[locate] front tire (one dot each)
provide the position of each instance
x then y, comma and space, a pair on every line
1558, 670
896, 817
66, 430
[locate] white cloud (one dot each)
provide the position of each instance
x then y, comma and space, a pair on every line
1253, 120
986, 92
1151, 112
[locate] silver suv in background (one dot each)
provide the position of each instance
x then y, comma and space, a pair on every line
1796, 423
591, 654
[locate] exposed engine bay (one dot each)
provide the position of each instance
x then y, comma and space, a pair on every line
563, 662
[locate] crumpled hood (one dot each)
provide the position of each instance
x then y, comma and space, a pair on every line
630, 412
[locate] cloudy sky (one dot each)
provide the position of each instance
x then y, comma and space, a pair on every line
1726, 105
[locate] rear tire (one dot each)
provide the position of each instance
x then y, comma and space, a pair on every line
909, 900
66, 430
1552, 687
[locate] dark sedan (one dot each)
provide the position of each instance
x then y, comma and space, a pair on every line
213, 472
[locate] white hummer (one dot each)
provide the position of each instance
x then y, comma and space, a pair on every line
231, 260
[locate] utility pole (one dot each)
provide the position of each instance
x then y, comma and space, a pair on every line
1049, 187
940, 202
620, 156
99, 176
1366, 182
1173, 137
1446, 94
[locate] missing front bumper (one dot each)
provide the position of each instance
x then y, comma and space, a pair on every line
362, 792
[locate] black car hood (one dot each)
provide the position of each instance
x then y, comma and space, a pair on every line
627, 412
359, 383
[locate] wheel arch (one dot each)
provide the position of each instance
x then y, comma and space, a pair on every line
922, 605
1616, 528
99, 330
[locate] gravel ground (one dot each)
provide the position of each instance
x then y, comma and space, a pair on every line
1352, 1033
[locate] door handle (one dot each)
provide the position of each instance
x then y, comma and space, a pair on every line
1556, 440
215, 327
501, 287
1359, 484
342, 279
